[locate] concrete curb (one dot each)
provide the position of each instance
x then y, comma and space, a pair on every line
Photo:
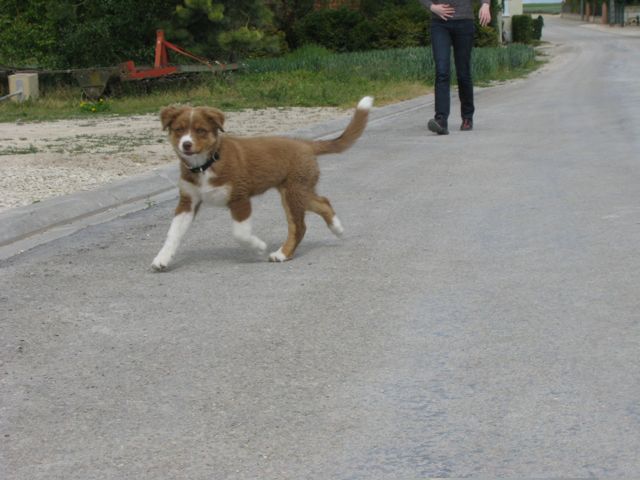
20, 223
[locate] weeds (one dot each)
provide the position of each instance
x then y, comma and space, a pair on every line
99, 106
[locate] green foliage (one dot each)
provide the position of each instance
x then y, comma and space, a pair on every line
487, 63
378, 24
25, 40
548, 8
225, 29
247, 42
309, 77
94, 33
525, 29
538, 23
522, 28
486, 36
98, 106
67, 33
192, 8
91, 33
338, 30
414, 63
287, 13
401, 26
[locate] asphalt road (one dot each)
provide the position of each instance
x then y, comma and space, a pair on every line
481, 317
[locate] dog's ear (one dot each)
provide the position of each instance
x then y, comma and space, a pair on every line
215, 117
169, 114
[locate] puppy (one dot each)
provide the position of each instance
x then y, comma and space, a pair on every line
223, 170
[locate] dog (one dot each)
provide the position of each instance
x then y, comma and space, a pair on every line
224, 170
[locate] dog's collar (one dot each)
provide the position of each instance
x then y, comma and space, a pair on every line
207, 164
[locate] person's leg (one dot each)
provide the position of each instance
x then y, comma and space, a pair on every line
441, 47
462, 39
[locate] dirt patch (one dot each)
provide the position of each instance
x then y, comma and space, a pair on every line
43, 160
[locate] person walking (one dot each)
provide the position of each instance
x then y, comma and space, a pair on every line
452, 26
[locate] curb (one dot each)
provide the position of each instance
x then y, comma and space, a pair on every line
21, 223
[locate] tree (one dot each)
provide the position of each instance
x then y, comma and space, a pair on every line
287, 13
79, 33
25, 39
225, 28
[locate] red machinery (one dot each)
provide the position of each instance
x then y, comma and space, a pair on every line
161, 65
94, 81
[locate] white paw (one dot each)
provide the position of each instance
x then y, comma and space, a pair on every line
161, 262
278, 256
336, 227
158, 267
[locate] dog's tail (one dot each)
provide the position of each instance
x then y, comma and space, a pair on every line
350, 134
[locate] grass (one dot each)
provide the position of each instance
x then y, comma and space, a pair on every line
542, 8
308, 77
18, 151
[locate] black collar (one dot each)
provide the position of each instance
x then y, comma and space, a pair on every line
207, 164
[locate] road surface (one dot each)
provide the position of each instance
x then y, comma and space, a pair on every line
481, 317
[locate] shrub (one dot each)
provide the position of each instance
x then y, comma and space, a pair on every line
337, 30
402, 26
522, 28
538, 23
485, 36
388, 25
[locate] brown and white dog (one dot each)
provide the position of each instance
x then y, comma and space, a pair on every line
227, 171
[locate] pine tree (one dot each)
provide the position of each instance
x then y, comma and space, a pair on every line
225, 29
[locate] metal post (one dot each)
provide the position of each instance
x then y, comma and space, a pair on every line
15, 94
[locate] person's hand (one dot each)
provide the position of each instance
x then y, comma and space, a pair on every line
443, 10
484, 15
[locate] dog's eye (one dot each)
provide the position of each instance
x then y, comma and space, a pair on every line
201, 131
179, 130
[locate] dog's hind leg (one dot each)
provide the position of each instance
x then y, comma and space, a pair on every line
293, 203
322, 207
241, 214
184, 215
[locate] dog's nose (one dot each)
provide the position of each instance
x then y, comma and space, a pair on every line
186, 146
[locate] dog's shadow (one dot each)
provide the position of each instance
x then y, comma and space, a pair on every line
232, 255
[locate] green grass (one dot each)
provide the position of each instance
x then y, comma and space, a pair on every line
18, 151
309, 77
538, 8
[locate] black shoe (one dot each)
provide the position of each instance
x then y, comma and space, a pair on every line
467, 124
438, 126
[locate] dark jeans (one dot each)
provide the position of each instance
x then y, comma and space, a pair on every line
459, 35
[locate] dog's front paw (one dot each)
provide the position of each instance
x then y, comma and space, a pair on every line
278, 256
161, 262
158, 267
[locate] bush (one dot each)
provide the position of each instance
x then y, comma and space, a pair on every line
403, 26
338, 30
485, 36
522, 28
386, 26
538, 23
